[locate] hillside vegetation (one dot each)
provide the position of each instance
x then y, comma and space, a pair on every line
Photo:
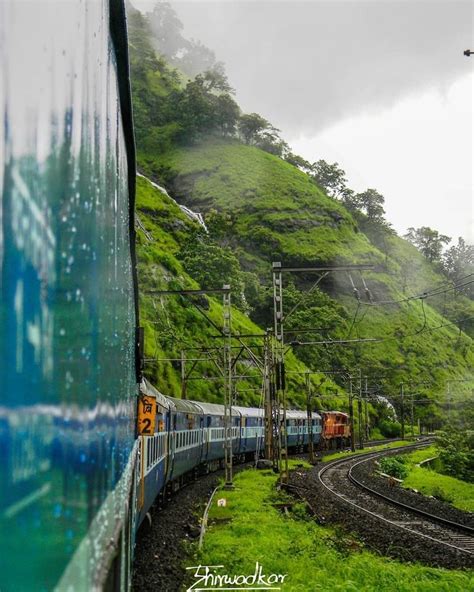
260, 208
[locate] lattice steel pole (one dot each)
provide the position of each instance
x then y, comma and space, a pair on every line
310, 417
280, 369
267, 385
228, 384
359, 409
351, 414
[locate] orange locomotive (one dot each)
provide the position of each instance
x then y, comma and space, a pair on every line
336, 429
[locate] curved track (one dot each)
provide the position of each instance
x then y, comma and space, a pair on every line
337, 478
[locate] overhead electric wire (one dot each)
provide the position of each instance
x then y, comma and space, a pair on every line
383, 339
423, 295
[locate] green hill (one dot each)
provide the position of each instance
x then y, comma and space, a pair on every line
172, 323
260, 209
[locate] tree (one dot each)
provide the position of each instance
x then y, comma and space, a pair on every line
298, 161
212, 265
257, 131
271, 142
227, 113
205, 106
196, 58
371, 203
428, 241
215, 80
350, 200
330, 177
251, 127
166, 28
458, 260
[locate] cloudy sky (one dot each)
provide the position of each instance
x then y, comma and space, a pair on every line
379, 86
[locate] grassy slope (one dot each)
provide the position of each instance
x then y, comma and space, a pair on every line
172, 323
313, 557
429, 482
280, 214
277, 206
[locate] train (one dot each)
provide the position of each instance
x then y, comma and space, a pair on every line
76, 478
188, 439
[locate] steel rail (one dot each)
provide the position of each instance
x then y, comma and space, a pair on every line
433, 517
375, 515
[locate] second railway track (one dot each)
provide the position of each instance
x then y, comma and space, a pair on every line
400, 526
400, 515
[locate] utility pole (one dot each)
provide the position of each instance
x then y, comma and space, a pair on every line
228, 384
310, 417
366, 405
402, 410
359, 408
269, 398
278, 271
351, 414
280, 371
412, 415
183, 374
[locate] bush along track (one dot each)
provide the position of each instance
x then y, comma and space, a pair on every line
379, 524
260, 523
428, 481
366, 473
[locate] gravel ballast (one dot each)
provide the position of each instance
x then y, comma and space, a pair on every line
375, 534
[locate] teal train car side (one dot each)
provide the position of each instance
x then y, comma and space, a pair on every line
68, 312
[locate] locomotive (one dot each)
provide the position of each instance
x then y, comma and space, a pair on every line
76, 481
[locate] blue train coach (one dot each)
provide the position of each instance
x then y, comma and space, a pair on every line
68, 305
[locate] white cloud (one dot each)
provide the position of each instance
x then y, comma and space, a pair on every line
419, 155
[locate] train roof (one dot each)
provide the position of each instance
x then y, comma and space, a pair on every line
299, 414
249, 411
213, 408
335, 413
295, 414
185, 406
147, 388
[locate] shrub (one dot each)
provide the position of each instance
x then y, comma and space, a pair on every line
390, 429
394, 466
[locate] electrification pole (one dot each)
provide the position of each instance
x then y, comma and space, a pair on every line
402, 410
183, 374
310, 417
228, 368
366, 406
359, 409
280, 372
269, 399
351, 414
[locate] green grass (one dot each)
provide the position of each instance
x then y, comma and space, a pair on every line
251, 528
279, 213
277, 205
427, 481
170, 322
337, 455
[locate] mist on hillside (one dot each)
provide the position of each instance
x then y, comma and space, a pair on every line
307, 65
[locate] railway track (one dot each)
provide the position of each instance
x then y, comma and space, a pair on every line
338, 478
